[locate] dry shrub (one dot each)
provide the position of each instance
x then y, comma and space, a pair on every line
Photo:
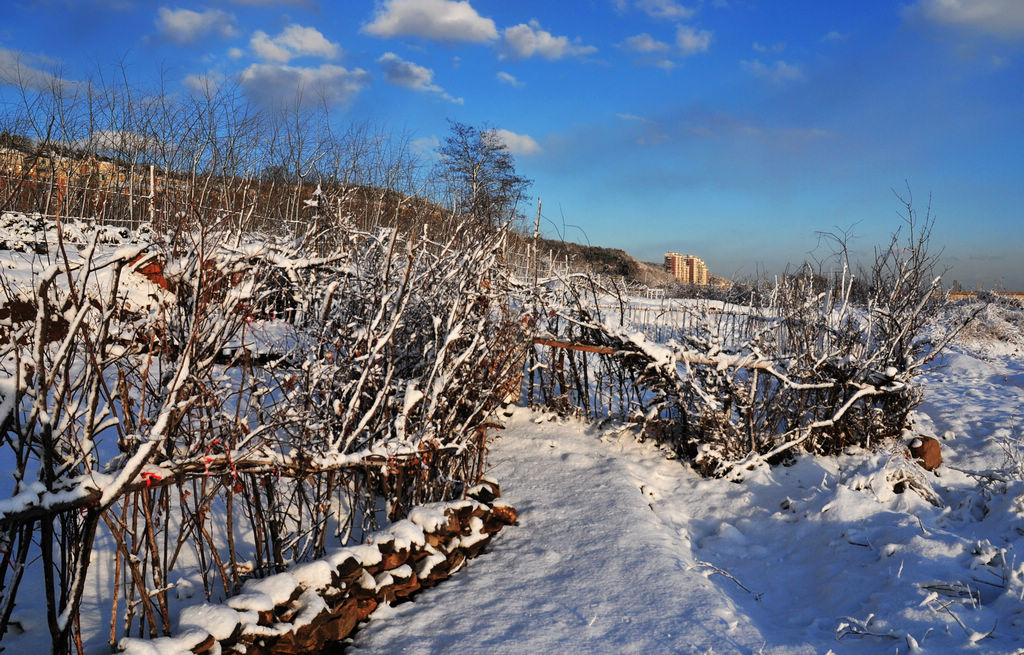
812, 362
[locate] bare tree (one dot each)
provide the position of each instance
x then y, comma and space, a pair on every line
481, 176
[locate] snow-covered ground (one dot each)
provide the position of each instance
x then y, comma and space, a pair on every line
622, 550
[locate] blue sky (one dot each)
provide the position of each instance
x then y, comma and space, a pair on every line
731, 129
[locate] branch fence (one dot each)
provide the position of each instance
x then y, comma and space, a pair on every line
180, 417
725, 386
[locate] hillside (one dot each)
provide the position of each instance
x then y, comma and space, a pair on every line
607, 261
615, 261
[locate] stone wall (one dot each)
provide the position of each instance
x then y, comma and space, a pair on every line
312, 605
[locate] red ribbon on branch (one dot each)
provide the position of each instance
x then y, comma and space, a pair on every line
150, 477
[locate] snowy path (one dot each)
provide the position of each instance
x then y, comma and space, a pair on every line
621, 550
590, 569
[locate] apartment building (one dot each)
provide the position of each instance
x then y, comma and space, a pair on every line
688, 269
79, 169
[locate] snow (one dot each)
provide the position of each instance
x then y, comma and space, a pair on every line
34, 494
429, 517
621, 549
404, 534
367, 581
9, 387
217, 620
279, 587
263, 594
312, 606
590, 569
428, 563
367, 554
412, 396
475, 535
314, 575
249, 601
339, 556
177, 645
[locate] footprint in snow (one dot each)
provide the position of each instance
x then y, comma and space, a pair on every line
575, 460
729, 532
548, 556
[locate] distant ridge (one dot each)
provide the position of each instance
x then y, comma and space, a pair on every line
613, 261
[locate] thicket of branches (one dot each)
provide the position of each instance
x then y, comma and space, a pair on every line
811, 361
285, 344
206, 155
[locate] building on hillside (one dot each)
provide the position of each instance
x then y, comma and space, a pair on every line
688, 269
77, 169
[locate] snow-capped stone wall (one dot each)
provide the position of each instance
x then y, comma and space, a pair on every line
314, 604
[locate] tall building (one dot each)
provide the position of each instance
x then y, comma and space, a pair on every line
688, 269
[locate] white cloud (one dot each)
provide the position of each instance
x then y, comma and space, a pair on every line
692, 41
650, 51
20, 69
517, 144
203, 83
404, 73
1001, 18
777, 73
274, 83
266, 48
506, 78
445, 20
835, 36
120, 141
293, 41
668, 9
185, 26
646, 44
524, 41
427, 146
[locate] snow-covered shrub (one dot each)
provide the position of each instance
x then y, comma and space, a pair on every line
230, 403
228, 338
812, 362
998, 326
